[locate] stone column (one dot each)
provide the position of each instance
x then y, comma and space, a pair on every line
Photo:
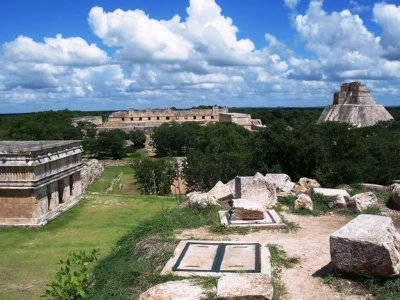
77, 184
66, 189
41, 200
52, 195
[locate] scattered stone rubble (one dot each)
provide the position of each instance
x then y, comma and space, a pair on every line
244, 209
367, 245
92, 169
199, 198
282, 181
396, 194
256, 188
303, 201
309, 183
340, 197
360, 202
221, 192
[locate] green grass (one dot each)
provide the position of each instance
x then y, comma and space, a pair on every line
372, 210
29, 256
141, 153
134, 265
101, 184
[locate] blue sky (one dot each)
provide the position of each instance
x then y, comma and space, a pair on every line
120, 54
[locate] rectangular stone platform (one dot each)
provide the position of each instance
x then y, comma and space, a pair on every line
214, 258
271, 220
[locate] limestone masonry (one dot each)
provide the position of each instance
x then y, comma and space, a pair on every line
38, 180
354, 104
96, 120
151, 118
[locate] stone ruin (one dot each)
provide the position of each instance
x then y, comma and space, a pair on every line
354, 104
38, 180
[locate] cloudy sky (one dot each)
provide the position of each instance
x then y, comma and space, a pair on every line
119, 54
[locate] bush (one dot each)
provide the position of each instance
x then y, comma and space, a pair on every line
156, 176
138, 138
174, 139
74, 280
111, 144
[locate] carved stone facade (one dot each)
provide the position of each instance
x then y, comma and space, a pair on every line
354, 104
38, 180
244, 120
151, 118
96, 120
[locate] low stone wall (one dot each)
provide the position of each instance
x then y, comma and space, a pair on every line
116, 163
92, 168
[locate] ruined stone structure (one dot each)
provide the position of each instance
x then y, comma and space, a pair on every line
96, 120
354, 104
38, 180
151, 118
244, 120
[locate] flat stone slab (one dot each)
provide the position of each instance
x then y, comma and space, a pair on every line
215, 258
175, 290
245, 286
271, 220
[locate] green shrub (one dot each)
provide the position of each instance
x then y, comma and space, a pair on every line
74, 280
156, 176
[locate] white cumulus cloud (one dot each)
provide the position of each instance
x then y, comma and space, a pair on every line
57, 51
388, 17
205, 35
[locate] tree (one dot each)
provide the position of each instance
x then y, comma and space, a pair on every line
174, 139
156, 176
138, 138
221, 152
111, 144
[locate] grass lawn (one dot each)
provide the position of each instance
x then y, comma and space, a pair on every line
29, 257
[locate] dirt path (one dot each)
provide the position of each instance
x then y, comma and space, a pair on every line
310, 244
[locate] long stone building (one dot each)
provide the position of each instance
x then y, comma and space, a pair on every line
151, 118
38, 180
354, 104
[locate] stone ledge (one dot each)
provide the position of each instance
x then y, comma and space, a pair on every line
271, 221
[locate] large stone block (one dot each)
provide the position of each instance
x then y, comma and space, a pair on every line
282, 181
396, 194
221, 192
245, 287
200, 198
340, 197
303, 201
362, 201
246, 209
309, 183
175, 290
367, 245
256, 188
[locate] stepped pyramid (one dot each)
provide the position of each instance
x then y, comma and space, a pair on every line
355, 104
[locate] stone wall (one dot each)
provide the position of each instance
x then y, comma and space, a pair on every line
116, 163
92, 168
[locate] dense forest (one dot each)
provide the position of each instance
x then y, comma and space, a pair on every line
291, 143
